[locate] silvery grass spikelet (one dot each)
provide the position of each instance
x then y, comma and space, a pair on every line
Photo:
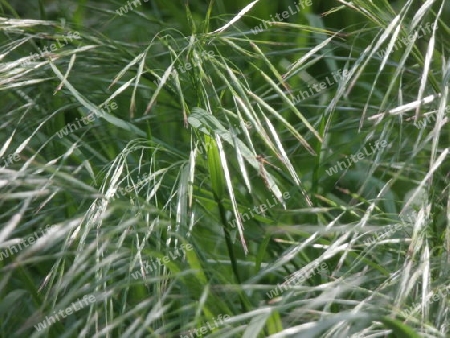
236, 18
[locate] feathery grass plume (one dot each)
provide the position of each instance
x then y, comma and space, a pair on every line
244, 101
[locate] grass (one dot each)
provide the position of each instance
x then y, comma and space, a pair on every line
207, 129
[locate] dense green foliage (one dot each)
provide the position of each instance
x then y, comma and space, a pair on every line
166, 168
